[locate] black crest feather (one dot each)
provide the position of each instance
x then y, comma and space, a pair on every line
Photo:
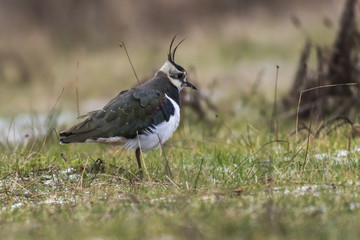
171, 54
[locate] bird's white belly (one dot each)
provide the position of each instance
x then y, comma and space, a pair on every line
161, 132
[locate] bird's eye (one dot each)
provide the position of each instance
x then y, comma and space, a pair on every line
180, 75
177, 75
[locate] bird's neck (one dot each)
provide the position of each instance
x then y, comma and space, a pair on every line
173, 93
161, 82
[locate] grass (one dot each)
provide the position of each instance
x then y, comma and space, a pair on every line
230, 179
229, 183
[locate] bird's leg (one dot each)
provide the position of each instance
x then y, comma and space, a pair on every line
137, 153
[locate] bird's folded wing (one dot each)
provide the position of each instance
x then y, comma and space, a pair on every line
131, 112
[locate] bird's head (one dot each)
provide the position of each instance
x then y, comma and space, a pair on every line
176, 73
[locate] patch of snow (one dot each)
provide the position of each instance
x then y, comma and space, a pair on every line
354, 206
16, 205
299, 191
342, 153
210, 198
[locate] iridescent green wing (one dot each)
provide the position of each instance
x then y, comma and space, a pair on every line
131, 112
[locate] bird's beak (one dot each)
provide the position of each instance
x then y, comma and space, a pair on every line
190, 85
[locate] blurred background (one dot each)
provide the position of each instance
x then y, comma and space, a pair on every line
230, 44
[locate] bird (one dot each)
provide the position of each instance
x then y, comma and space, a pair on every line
141, 118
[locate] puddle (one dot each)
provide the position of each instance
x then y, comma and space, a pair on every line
26, 126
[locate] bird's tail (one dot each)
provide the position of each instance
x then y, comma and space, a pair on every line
78, 133
69, 137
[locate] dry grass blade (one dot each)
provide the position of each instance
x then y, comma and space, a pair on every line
8, 134
274, 120
292, 162
166, 162
122, 45
349, 148
308, 142
142, 157
249, 138
302, 126
172, 182
262, 147
343, 120
44, 142
198, 175
77, 89
80, 184
46, 119
312, 89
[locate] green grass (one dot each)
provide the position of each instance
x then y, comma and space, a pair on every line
225, 184
230, 180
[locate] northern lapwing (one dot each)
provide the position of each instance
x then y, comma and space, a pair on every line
140, 118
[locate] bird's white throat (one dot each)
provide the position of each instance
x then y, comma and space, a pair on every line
168, 68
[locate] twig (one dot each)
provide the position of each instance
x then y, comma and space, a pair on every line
301, 127
166, 162
257, 82
57, 134
142, 157
198, 175
349, 148
250, 171
82, 175
43, 144
63, 157
308, 140
311, 89
249, 138
276, 125
330, 122
172, 182
7, 137
122, 45
76, 89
